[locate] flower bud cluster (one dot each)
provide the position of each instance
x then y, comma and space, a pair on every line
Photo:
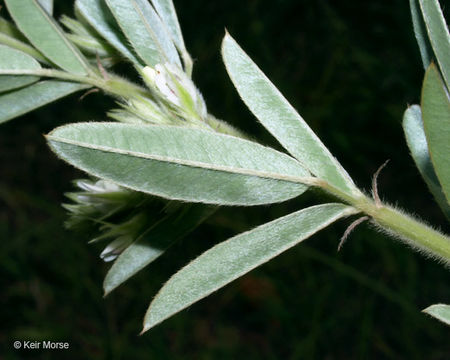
117, 214
176, 90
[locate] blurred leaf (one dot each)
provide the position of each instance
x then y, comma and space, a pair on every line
145, 31
98, 15
438, 35
11, 59
9, 29
47, 5
417, 143
155, 242
426, 51
235, 257
280, 118
166, 11
440, 312
44, 33
436, 120
87, 39
181, 163
19, 102
12, 37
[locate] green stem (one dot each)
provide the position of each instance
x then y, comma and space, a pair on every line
113, 85
410, 230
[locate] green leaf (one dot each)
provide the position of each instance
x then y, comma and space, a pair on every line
47, 5
45, 34
438, 35
440, 312
235, 257
426, 52
280, 118
98, 15
436, 120
181, 163
19, 102
154, 243
417, 143
9, 29
143, 27
166, 11
11, 59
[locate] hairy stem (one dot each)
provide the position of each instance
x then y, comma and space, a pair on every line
398, 224
114, 85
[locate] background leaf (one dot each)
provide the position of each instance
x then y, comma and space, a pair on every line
19, 102
440, 312
154, 243
166, 11
438, 35
11, 59
417, 143
47, 5
98, 15
12, 37
280, 118
235, 257
436, 120
145, 31
46, 35
420, 31
180, 163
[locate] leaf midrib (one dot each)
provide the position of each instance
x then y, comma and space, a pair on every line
306, 180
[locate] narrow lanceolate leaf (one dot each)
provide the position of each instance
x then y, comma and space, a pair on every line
417, 143
154, 243
440, 312
47, 5
11, 59
436, 120
181, 163
420, 31
235, 257
145, 31
438, 34
280, 118
166, 11
45, 34
98, 15
19, 102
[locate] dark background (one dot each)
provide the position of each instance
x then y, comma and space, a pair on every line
350, 68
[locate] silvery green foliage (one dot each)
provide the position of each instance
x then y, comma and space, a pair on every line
166, 149
427, 127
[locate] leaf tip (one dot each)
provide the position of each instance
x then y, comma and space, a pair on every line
144, 330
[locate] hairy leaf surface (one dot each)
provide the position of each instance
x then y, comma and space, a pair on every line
235, 257
166, 11
45, 34
11, 59
145, 31
181, 163
440, 312
417, 143
98, 15
280, 118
